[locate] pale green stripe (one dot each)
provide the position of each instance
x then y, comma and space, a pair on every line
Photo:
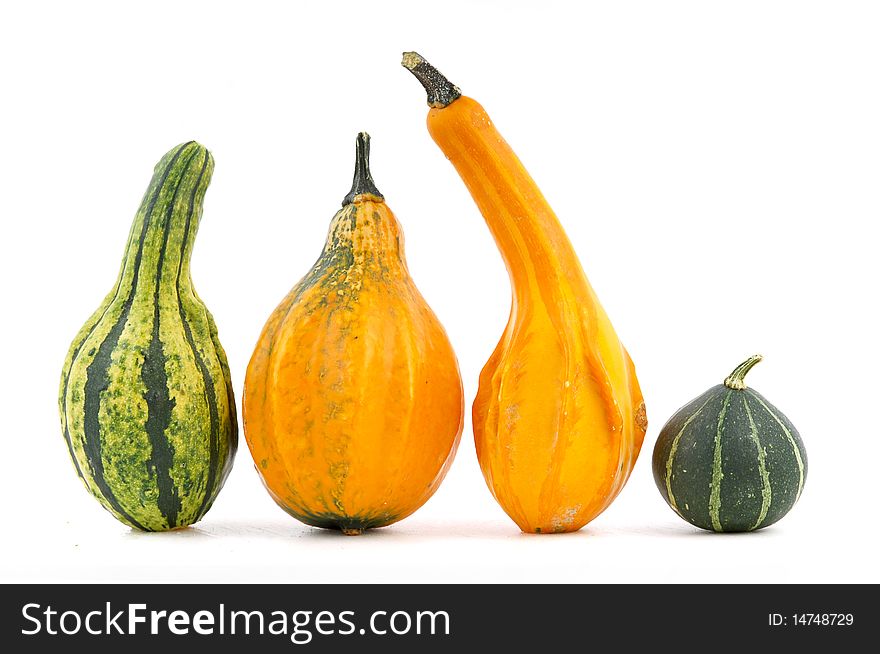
797, 452
766, 491
670, 459
717, 474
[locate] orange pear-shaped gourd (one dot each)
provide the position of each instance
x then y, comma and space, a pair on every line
559, 418
353, 404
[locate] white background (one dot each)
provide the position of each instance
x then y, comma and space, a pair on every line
716, 166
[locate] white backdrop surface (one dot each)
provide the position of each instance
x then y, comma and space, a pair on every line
715, 165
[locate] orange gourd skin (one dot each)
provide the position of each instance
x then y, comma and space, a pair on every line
559, 418
353, 402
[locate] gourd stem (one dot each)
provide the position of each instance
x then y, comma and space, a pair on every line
736, 379
441, 92
363, 183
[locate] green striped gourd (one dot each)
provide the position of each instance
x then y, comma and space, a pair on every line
729, 460
147, 409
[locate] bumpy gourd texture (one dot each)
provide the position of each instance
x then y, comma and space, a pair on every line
559, 418
353, 402
146, 401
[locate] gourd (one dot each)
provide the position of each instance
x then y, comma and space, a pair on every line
353, 404
559, 417
146, 400
729, 460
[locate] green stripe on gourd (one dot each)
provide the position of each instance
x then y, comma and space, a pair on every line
146, 399
717, 474
729, 460
766, 488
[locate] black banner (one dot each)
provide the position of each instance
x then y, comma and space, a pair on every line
431, 618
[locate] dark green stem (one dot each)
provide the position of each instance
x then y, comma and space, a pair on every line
441, 92
363, 181
736, 379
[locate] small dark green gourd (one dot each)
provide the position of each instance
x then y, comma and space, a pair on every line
729, 460
146, 402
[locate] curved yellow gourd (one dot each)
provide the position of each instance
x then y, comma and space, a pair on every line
559, 417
